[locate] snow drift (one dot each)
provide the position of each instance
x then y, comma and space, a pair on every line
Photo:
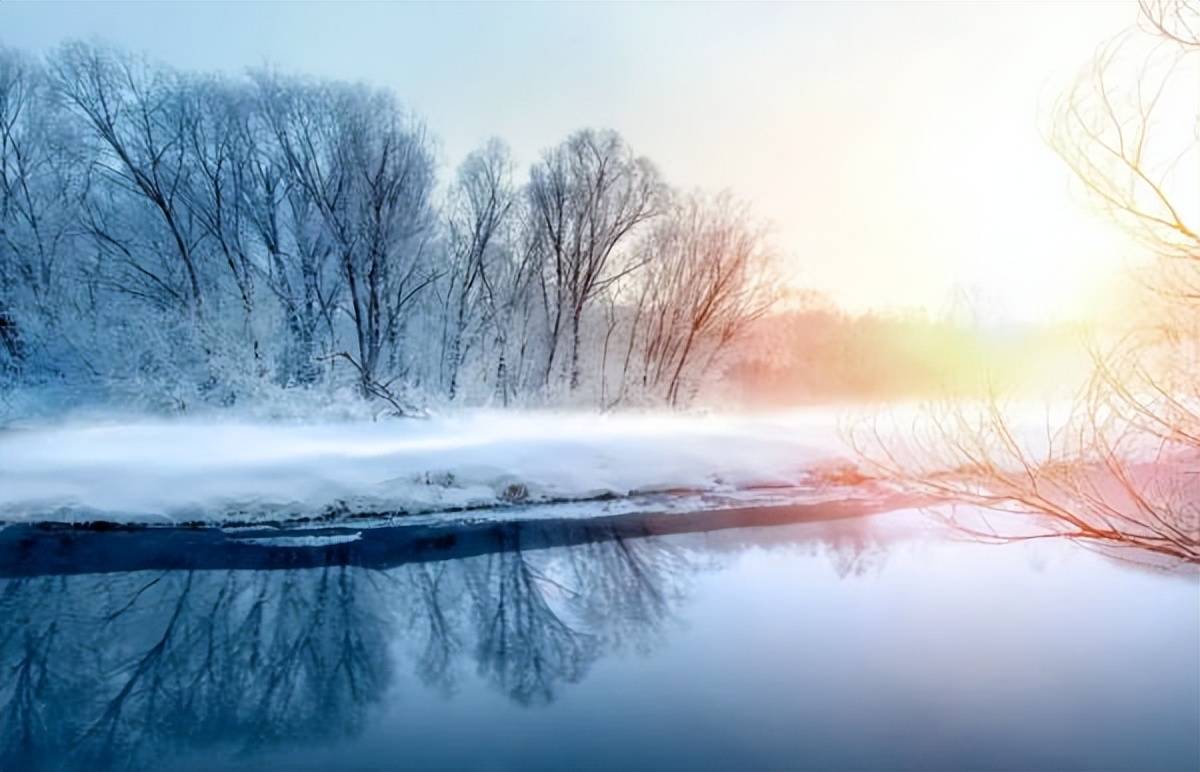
235, 471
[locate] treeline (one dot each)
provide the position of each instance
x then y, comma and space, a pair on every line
198, 238
812, 352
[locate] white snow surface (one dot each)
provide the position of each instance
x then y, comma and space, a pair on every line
237, 471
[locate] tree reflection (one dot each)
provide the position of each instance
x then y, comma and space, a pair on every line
125, 669
525, 644
128, 668
118, 670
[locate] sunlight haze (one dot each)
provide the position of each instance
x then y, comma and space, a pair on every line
673, 386
899, 141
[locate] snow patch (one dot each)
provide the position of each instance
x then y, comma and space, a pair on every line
250, 471
324, 540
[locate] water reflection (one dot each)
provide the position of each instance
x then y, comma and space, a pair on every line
119, 670
127, 668
230, 650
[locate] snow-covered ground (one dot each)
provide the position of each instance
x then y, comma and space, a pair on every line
224, 470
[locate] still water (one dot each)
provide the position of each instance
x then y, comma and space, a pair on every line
857, 643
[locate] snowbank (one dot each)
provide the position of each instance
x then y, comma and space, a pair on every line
251, 471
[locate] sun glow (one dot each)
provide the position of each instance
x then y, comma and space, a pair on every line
923, 174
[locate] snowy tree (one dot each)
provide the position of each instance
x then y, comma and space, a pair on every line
587, 197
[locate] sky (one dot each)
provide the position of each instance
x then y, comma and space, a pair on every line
895, 148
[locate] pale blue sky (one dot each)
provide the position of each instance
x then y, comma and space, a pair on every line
893, 145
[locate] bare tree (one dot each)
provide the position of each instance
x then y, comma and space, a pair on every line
587, 196
39, 190
1177, 20
299, 267
707, 276
217, 194
368, 170
480, 208
17, 92
1117, 471
187, 237
137, 113
1123, 130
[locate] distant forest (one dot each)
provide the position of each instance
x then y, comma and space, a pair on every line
199, 237
171, 239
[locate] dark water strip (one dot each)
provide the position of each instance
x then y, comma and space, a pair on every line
59, 549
